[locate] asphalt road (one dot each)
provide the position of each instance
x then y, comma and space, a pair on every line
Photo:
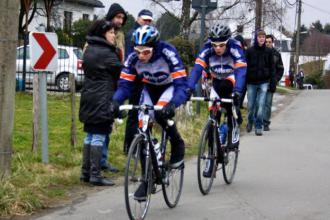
283, 174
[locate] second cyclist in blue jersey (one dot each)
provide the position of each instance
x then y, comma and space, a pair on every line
160, 68
223, 57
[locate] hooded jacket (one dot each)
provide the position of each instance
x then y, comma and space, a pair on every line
102, 66
114, 10
260, 65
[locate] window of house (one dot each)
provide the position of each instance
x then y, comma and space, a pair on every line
85, 16
67, 20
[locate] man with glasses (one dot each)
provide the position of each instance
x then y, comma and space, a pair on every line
279, 70
224, 58
160, 68
144, 18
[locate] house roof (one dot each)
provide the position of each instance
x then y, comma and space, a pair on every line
92, 3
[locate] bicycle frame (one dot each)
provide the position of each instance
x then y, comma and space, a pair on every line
216, 108
146, 132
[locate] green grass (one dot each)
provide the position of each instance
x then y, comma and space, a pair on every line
284, 90
34, 185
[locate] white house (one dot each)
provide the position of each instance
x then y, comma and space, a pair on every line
65, 12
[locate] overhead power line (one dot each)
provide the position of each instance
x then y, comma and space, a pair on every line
316, 8
289, 4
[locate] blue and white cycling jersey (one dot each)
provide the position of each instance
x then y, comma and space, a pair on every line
164, 68
231, 65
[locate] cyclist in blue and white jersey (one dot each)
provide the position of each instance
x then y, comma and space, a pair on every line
160, 68
224, 58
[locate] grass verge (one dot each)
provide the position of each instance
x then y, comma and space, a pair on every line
33, 185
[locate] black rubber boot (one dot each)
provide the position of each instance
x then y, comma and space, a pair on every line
96, 178
86, 164
177, 147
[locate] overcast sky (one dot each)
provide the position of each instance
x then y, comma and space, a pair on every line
312, 10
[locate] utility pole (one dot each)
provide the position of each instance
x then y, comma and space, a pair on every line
201, 42
203, 7
8, 41
258, 12
298, 37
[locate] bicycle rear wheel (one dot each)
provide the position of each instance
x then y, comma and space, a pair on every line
134, 177
172, 186
229, 164
206, 153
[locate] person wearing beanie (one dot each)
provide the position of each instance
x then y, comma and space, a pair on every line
117, 15
260, 74
145, 17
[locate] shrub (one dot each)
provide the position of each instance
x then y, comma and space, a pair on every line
315, 78
185, 49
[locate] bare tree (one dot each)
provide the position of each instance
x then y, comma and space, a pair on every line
239, 11
49, 5
25, 16
8, 39
184, 18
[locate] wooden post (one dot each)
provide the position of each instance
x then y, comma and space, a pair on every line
35, 113
73, 111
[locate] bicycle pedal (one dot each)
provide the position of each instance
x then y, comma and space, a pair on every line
154, 189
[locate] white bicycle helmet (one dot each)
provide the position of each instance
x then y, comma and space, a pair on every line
219, 33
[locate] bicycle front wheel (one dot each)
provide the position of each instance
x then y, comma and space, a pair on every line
206, 157
138, 169
229, 164
172, 186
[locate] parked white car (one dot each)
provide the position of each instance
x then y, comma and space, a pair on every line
69, 61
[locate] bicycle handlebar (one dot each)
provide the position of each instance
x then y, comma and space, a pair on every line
170, 122
142, 107
224, 100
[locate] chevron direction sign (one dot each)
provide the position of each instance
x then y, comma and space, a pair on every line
43, 51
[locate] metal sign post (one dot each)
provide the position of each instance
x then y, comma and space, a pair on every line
44, 116
203, 7
43, 50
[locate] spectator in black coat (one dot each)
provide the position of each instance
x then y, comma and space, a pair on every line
260, 77
279, 70
144, 18
102, 67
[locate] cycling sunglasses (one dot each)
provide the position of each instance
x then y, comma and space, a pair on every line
144, 52
218, 44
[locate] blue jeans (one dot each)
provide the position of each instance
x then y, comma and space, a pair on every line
268, 108
95, 140
256, 95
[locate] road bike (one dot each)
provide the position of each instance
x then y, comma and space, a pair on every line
147, 162
212, 150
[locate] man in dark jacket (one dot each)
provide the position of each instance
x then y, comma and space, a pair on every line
260, 77
144, 18
117, 15
279, 70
